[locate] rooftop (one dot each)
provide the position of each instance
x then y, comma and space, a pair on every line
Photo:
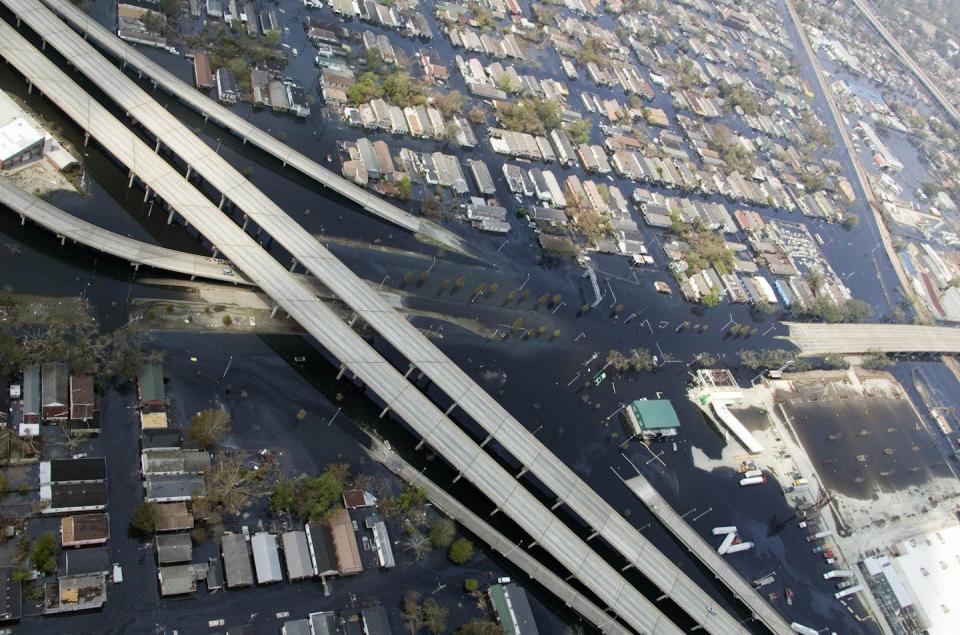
82, 529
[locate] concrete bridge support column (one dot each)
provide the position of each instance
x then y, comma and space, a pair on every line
216, 252
486, 441
146, 194
592, 536
419, 445
130, 180
273, 311
557, 504
23, 220
223, 199
383, 413
627, 568
293, 265
458, 477
246, 221
156, 148
86, 139
495, 510
189, 171
170, 217
522, 472
63, 240
450, 409
409, 370
342, 370
29, 87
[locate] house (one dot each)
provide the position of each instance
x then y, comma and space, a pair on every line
381, 540
172, 488
68, 498
385, 161
323, 623
296, 627
322, 551
236, 561
160, 439
83, 530
512, 607
54, 392
150, 388
652, 418
83, 399
482, 177
296, 553
368, 158
345, 543
227, 92
173, 548
202, 73
30, 402
83, 470
375, 621
178, 579
266, 559
84, 592
174, 461
20, 143
92, 560
173, 517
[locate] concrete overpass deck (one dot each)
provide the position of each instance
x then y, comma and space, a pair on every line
251, 133
419, 351
69, 227
823, 339
670, 519
340, 341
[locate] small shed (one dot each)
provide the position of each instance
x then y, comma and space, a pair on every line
652, 418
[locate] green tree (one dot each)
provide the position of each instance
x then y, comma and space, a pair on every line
460, 551
42, 552
227, 320
442, 532
476, 115
283, 496
412, 612
315, 495
556, 299
477, 626
408, 277
579, 130
850, 220
404, 187
835, 360
144, 521
208, 427
462, 280
470, 585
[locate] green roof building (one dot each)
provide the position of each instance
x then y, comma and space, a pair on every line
150, 386
513, 610
652, 418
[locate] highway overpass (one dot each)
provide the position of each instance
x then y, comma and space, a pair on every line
69, 227
357, 356
815, 339
248, 132
499, 425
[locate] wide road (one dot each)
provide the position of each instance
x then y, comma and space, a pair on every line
251, 133
823, 339
340, 341
872, 201
482, 529
69, 227
446, 375
908, 61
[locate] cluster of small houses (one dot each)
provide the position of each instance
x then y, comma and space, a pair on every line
268, 86
402, 16
786, 249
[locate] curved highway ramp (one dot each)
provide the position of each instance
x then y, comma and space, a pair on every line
69, 227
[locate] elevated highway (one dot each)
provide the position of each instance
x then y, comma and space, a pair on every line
339, 340
499, 425
69, 227
250, 133
905, 339
908, 61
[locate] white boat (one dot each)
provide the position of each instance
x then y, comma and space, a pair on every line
754, 480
